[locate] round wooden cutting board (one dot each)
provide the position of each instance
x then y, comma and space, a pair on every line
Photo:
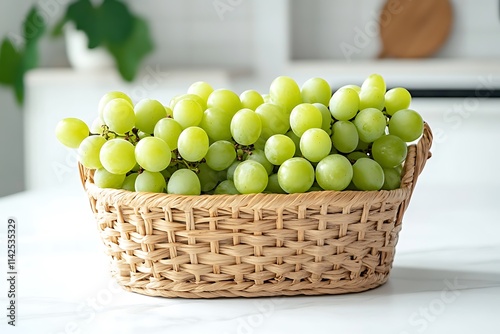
414, 28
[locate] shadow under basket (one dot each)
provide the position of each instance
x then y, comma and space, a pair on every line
208, 246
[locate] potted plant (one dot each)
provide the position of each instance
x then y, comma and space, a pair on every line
109, 30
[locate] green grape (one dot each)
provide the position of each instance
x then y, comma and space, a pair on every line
184, 182
354, 156
326, 117
392, 179
356, 88
105, 179
246, 127
147, 113
220, 155
260, 157
279, 148
345, 136
231, 169
222, 175
97, 126
251, 99
250, 177
152, 182
188, 112
88, 151
367, 174
344, 104
71, 132
315, 144
266, 98
285, 92
153, 154
305, 116
371, 97
178, 98
396, 99
119, 115
110, 96
193, 144
217, 123
316, 90
371, 124
225, 99
363, 146
296, 141
226, 187
202, 89
296, 175
374, 80
260, 144
167, 172
129, 183
407, 124
273, 185
315, 187
169, 130
208, 177
334, 172
274, 119
389, 151
117, 156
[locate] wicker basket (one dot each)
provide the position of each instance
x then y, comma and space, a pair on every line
253, 245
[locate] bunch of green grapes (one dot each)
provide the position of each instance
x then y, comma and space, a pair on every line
290, 139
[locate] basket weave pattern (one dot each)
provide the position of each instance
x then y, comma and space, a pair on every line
253, 245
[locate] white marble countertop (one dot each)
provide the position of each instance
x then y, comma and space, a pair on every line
445, 277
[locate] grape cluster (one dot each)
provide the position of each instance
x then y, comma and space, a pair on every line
212, 141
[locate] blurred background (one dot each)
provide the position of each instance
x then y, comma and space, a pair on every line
243, 44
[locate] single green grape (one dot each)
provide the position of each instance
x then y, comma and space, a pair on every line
392, 178
188, 112
273, 185
202, 89
315, 144
246, 127
110, 96
217, 123
152, 182
371, 97
279, 148
208, 177
193, 144
334, 172
344, 104
184, 182
117, 156
88, 151
367, 174
407, 124
105, 179
374, 80
396, 99
169, 130
225, 99
259, 156
296, 175
221, 154
250, 177
274, 119
284, 91
296, 141
195, 97
345, 136
147, 113
129, 182
71, 132
371, 124
153, 154
119, 116
316, 90
389, 151
303, 117
231, 169
226, 187
326, 117
251, 99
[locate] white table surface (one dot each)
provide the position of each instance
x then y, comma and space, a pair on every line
445, 277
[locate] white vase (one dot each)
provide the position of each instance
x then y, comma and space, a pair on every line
80, 56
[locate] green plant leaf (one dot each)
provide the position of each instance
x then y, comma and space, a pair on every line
129, 55
86, 18
36, 25
115, 21
10, 62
